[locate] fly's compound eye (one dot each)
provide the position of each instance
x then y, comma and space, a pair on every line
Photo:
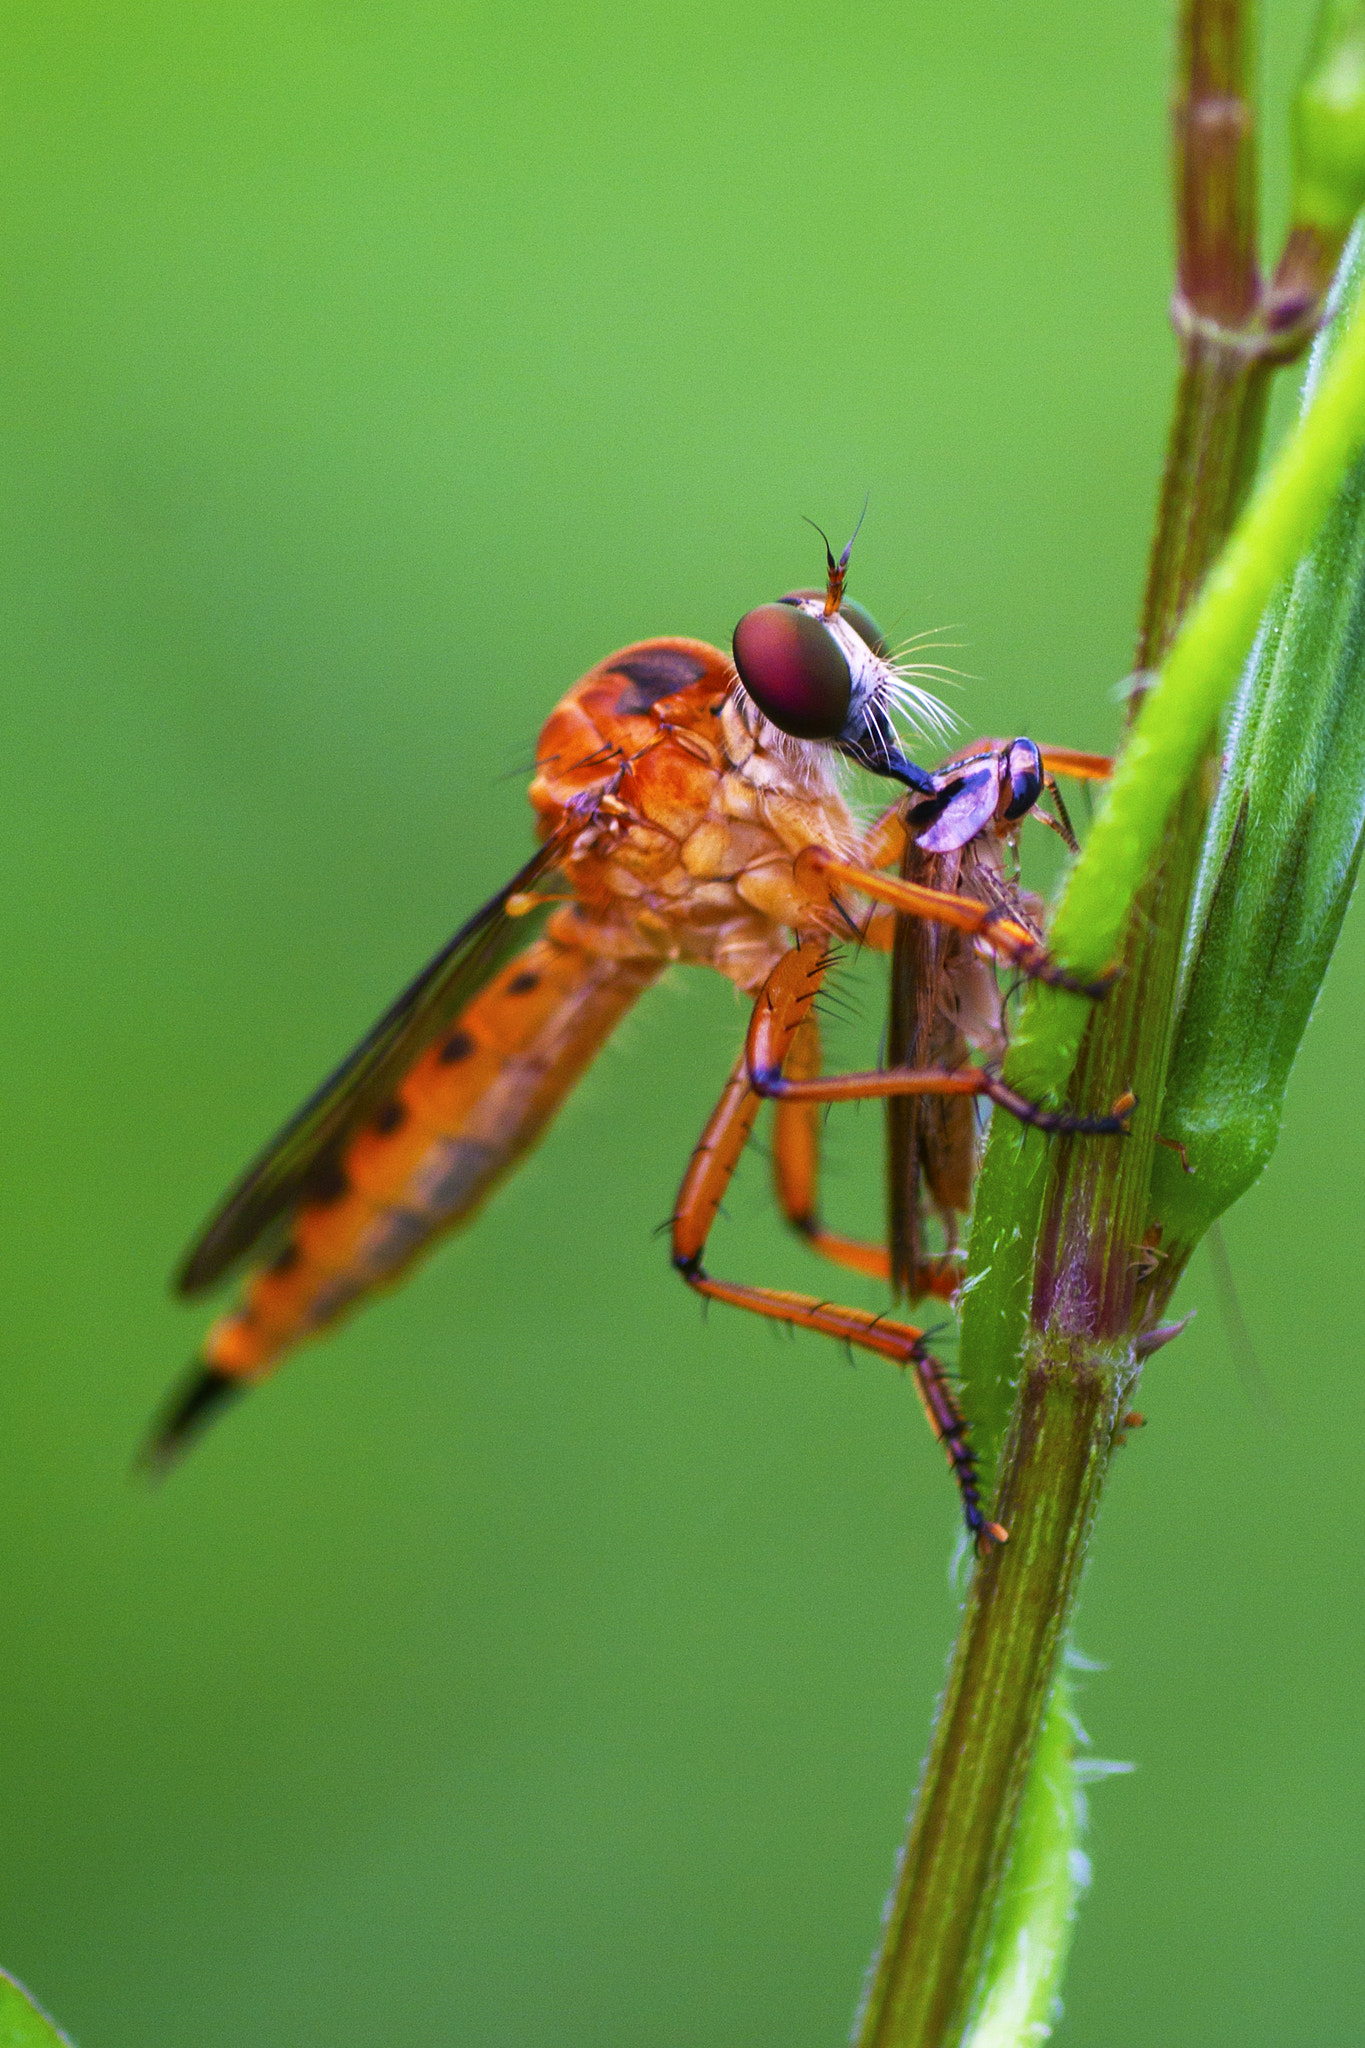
862, 622
1023, 778
795, 671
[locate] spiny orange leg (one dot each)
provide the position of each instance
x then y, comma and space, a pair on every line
708, 1175
796, 1175
819, 872
781, 1010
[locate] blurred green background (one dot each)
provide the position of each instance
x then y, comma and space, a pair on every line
540, 1663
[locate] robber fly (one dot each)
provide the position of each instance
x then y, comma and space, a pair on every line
688, 809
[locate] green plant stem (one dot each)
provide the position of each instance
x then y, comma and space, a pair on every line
1057, 1332
23, 2023
1218, 415
939, 1920
1085, 1266
1085, 1326
1048, 1872
1277, 870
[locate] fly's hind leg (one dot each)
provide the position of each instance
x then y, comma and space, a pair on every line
708, 1175
796, 1178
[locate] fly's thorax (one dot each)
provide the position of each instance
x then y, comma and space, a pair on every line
788, 785
619, 708
988, 871
692, 817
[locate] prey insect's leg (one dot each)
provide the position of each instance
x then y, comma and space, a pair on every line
780, 1011
820, 871
1080, 767
796, 1174
708, 1175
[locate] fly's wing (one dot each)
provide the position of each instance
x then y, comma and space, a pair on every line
302, 1154
929, 1139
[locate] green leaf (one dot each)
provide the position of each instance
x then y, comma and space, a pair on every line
24, 2024
1279, 864
1180, 713
1168, 741
1329, 121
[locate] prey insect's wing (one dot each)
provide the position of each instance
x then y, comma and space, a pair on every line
300, 1157
913, 970
929, 1139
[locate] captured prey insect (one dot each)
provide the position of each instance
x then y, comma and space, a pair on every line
946, 1002
686, 812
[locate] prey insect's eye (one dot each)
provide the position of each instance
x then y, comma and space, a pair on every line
1024, 777
862, 622
795, 671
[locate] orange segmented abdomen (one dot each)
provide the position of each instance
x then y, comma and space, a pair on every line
471, 1105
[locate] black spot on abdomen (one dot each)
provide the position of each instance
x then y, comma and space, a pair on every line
457, 1047
654, 672
522, 984
327, 1184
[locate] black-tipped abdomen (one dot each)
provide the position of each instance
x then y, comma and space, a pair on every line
198, 1400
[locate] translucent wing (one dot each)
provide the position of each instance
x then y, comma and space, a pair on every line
929, 1138
303, 1156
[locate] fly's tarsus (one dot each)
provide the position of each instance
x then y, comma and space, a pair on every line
1066, 1122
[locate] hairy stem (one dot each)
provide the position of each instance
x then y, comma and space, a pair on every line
1048, 1314
939, 1919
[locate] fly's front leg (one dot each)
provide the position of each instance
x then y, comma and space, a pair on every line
796, 1178
788, 997
820, 871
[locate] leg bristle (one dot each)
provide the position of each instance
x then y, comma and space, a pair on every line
198, 1400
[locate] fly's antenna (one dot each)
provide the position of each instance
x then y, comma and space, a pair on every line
836, 573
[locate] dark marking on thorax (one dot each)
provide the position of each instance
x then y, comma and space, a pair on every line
652, 673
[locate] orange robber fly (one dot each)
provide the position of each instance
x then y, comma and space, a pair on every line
688, 809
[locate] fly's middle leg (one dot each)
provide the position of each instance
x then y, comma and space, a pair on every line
708, 1175
781, 1010
796, 1177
